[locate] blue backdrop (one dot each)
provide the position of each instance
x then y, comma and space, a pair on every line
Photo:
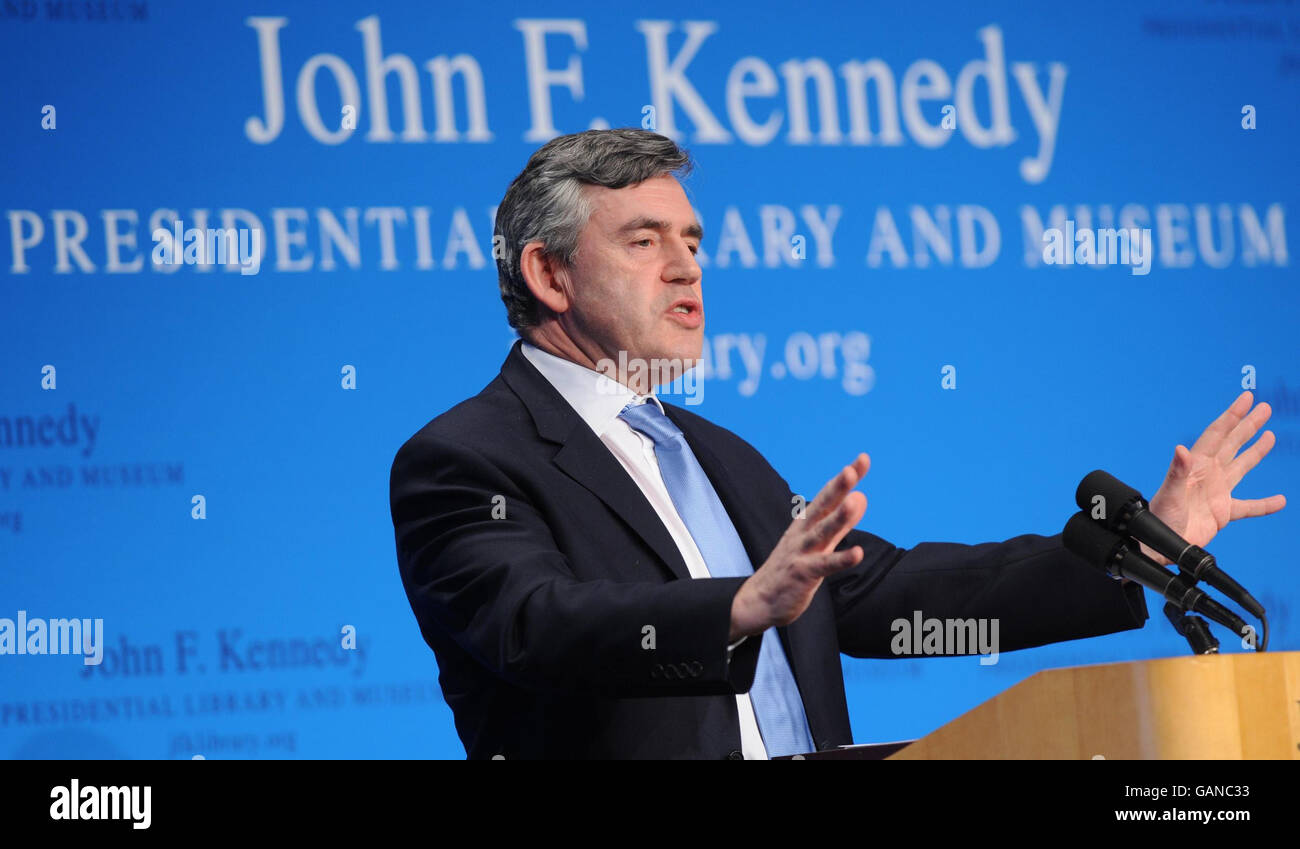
857, 250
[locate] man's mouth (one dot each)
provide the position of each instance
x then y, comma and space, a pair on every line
687, 306
688, 312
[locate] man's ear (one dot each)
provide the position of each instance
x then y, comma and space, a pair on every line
546, 276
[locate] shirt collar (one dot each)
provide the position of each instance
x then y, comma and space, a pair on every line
595, 397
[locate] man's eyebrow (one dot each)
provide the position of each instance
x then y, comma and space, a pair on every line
646, 223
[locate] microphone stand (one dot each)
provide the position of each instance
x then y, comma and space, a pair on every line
1194, 628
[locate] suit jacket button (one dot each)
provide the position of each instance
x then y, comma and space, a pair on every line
824, 745
735, 755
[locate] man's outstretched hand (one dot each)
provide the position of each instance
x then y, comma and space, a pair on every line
1196, 498
783, 587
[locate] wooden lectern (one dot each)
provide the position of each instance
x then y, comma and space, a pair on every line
1229, 706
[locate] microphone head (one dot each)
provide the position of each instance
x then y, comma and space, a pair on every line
1091, 541
1115, 495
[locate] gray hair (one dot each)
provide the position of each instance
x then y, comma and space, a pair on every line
546, 204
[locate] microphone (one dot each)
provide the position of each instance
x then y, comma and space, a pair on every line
1110, 552
1125, 511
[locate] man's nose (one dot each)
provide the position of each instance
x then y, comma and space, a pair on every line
682, 265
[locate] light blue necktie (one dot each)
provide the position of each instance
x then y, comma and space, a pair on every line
775, 695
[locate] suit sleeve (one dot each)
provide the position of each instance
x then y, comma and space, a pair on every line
1037, 590
504, 592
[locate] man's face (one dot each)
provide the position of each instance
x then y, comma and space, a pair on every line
636, 286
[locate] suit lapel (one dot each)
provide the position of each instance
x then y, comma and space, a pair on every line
583, 457
588, 461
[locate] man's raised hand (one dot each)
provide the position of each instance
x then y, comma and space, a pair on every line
783, 587
1196, 497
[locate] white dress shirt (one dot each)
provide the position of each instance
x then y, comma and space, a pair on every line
598, 400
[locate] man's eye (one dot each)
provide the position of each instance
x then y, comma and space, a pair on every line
695, 249
646, 242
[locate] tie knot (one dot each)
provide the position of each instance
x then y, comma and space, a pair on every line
651, 421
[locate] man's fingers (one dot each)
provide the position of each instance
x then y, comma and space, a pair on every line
1250, 458
1249, 508
1212, 439
831, 562
1243, 432
1180, 466
828, 532
862, 465
838, 487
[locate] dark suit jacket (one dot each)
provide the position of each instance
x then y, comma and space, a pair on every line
533, 564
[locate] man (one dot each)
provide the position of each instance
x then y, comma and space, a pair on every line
602, 575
